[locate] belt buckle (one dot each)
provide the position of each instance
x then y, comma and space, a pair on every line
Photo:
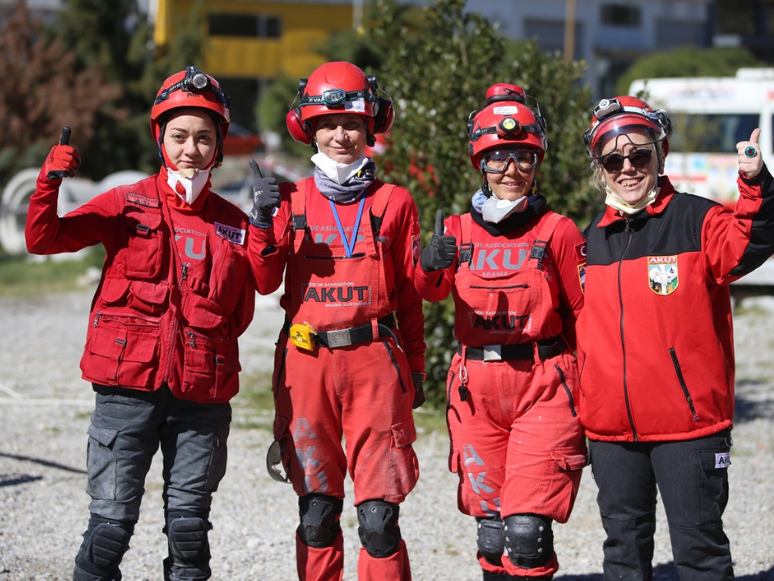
493, 352
338, 338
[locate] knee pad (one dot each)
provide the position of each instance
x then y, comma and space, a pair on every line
319, 516
378, 527
529, 540
188, 542
104, 545
491, 539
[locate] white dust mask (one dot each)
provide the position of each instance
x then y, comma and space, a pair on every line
188, 183
615, 202
496, 210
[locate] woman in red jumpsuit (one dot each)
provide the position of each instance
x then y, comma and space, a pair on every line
344, 368
515, 270
161, 350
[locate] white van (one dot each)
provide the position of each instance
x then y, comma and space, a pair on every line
710, 115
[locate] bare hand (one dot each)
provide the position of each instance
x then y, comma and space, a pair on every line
749, 153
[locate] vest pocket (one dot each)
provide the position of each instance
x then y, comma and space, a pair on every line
208, 367
142, 256
121, 355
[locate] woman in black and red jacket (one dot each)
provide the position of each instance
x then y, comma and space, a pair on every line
655, 341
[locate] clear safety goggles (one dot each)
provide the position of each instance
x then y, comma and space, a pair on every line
497, 161
274, 464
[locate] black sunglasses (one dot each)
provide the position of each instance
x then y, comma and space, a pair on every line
639, 159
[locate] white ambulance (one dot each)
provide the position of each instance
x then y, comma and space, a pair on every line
710, 115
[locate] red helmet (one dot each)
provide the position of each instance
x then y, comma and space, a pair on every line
613, 116
339, 87
189, 88
504, 122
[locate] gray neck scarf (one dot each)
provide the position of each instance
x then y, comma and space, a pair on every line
350, 190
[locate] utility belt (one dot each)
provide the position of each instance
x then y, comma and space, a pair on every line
304, 336
546, 349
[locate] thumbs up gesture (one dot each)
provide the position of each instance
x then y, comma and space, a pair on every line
266, 197
62, 160
441, 250
750, 159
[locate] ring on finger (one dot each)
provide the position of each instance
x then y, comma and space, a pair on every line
750, 151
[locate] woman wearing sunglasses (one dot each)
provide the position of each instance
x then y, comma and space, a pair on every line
655, 341
515, 271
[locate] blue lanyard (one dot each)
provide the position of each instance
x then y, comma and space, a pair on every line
349, 245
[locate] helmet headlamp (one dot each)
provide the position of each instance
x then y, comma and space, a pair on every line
334, 97
195, 81
607, 107
508, 127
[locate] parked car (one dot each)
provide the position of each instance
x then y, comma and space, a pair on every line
241, 141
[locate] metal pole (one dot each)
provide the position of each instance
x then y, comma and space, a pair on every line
569, 31
357, 14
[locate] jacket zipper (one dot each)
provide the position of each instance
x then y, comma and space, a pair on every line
124, 319
623, 342
501, 287
683, 386
395, 365
567, 389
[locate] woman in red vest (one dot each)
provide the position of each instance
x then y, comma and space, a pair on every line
515, 270
345, 242
161, 351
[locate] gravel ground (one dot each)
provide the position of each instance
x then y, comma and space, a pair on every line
44, 414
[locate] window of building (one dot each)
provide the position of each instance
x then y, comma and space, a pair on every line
549, 35
245, 25
621, 15
673, 33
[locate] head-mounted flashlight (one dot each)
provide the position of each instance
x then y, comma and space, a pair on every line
508, 127
334, 97
196, 79
606, 108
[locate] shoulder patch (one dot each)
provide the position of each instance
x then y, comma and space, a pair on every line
230, 233
135, 198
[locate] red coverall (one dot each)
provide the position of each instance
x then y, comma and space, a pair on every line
364, 391
516, 442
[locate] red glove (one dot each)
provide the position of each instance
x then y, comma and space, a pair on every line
62, 160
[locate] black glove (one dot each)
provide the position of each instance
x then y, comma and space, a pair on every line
441, 249
266, 197
419, 392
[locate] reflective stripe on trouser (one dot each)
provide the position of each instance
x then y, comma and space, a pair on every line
363, 393
517, 443
692, 477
